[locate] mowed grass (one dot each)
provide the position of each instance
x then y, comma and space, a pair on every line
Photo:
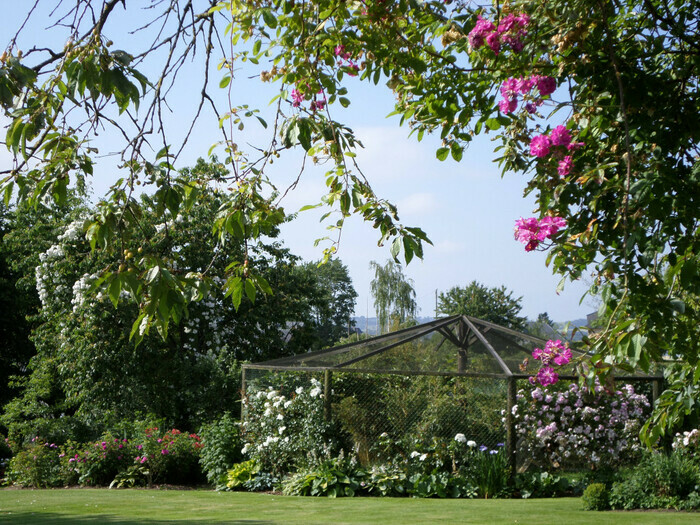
130, 507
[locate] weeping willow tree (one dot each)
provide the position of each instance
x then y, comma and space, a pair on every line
393, 293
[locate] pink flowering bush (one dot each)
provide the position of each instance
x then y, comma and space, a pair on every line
153, 456
566, 426
170, 457
36, 465
97, 463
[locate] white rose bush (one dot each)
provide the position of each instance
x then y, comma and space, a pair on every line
283, 430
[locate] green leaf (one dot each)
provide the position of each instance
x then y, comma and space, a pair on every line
234, 288
677, 305
456, 151
396, 248
250, 290
442, 153
493, 124
115, 288
225, 81
270, 18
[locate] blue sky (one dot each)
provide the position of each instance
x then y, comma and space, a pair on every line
466, 208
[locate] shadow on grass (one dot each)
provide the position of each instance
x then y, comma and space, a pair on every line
46, 518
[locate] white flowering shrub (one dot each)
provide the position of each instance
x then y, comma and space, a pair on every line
563, 425
282, 431
688, 444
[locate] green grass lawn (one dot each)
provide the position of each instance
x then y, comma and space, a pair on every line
129, 507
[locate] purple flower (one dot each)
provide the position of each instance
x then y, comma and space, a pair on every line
539, 146
481, 30
483, 448
493, 42
545, 85
560, 136
547, 376
508, 105
565, 166
510, 88
297, 98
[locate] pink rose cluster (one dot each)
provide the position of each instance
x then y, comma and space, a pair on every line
318, 102
510, 31
554, 352
558, 143
531, 232
511, 88
345, 60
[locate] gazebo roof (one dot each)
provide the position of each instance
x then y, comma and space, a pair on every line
453, 346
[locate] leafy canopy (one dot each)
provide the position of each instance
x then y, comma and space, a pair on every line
595, 102
495, 304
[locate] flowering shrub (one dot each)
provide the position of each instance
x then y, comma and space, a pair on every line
169, 457
96, 463
36, 465
570, 426
688, 444
280, 430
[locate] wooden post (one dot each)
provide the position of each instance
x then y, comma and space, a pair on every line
243, 388
655, 391
461, 352
327, 391
511, 436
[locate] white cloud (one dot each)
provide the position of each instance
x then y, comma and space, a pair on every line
449, 247
418, 203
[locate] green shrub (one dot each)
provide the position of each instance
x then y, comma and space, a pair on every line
241, 473
659, 481
222, 449
96, 463
595, 497
334, 477
386, 480
37, 465
543, 485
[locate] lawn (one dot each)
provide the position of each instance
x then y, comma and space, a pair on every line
131, 507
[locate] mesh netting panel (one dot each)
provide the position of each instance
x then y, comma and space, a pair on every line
406, 408
431, 354
419, 407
